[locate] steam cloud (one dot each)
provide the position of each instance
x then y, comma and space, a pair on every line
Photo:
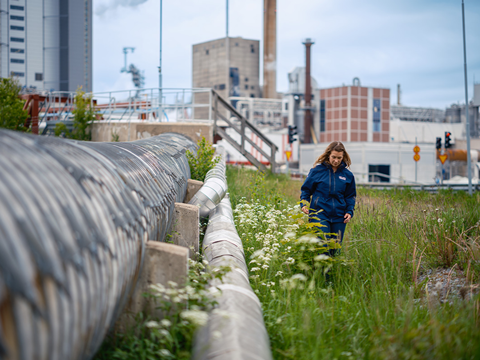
101, 9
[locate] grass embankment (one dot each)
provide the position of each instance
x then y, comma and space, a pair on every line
377, 308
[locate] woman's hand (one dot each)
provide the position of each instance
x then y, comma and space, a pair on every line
305, 209
347, 218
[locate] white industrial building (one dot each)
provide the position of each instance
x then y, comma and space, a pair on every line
47, 44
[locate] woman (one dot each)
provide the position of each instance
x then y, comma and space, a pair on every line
331, 187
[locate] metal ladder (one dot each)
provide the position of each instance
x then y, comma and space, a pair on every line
240, 125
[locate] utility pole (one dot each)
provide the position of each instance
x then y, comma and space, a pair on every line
227, 49
160, 92
469, 160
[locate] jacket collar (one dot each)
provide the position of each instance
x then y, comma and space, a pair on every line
340, 167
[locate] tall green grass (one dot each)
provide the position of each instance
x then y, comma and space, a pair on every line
376, 308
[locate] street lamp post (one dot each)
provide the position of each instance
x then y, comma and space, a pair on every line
160, 95
469, 161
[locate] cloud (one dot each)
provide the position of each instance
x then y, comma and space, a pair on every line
105, 7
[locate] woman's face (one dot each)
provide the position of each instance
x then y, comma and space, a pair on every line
336, 158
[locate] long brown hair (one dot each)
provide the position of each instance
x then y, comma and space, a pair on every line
334, 146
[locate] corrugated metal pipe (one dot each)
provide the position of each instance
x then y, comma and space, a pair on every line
74, 220
238, 316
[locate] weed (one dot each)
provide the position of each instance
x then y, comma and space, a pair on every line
203, 161
376, 307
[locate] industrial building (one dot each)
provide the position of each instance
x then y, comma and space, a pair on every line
353, 113
209, 69
47, 45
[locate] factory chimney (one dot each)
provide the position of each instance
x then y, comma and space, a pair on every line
307, 129
270, 49
398, 95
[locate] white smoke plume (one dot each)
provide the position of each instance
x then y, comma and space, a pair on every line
107, 6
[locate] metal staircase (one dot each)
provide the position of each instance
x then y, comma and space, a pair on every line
241, 125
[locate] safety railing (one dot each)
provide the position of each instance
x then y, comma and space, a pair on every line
223, 111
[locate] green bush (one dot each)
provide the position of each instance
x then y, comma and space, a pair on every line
204, 161
12, 115
84, 114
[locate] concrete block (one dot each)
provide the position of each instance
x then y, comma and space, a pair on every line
163, 262
185, 230
192, 187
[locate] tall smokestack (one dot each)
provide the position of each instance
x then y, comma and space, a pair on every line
399, 95
307, 129
270, 49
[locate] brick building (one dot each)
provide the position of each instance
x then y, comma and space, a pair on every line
353, 113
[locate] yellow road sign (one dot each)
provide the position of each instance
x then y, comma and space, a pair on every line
443, 158
288, 153
416, 149
416, 157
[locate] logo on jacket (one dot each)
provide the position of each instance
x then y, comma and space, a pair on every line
342, 178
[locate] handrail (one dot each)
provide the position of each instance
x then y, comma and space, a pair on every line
244, 124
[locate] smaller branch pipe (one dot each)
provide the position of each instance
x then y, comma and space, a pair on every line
213, 190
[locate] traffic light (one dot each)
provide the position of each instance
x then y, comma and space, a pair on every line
448, 139
438, 145
292, 130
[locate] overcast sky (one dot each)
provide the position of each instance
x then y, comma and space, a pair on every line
415, 43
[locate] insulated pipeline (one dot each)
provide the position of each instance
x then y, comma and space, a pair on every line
74, 220
213, 189
238, 315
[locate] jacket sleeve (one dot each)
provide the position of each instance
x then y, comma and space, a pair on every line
350, 196
308, 188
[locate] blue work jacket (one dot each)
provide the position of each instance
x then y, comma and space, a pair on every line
332, 192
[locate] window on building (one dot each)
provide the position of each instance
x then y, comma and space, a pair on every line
252, 95
322, 115
379, 173
19, 28
16, 7
15, 17
252, 87
221, 87
17, 61
246, 79
236, 44
17, 40
19, 74
38, 77
206, 52
376, 115
17, 51
246, 87
252, 49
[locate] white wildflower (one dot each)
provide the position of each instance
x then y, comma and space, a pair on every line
197, 317
166, 323
300, 277
321, 257
165, 352
255, 269
152, 324
172, 284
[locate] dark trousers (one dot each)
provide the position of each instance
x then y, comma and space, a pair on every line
333, 231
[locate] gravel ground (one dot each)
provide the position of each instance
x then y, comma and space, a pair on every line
447, 285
